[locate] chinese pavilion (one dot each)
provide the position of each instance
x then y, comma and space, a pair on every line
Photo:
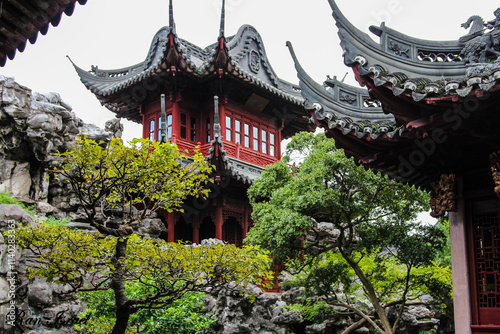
240, 133
429, 117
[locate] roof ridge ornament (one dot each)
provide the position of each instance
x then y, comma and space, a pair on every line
482, 43
222, 19
171, 22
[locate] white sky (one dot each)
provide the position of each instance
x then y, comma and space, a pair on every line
117, 33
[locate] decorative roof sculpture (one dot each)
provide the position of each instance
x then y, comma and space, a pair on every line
440, 98
21, 21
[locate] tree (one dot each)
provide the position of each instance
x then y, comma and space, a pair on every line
154, 273
186, 315
118, 186
362, 224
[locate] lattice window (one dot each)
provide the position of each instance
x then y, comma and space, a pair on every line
487, 254
232, 232
226, 214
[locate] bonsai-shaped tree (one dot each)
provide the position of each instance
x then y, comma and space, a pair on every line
119, 185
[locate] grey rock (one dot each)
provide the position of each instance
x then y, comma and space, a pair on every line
37, 121
40, 293
15, 112
13, 212
152, 227
44, 207
16, 178
13, 93
63, 314
94, 133
4, 290
114, 127
210, 242
81, 226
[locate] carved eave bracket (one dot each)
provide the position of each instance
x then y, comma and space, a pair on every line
495, 170
444, 195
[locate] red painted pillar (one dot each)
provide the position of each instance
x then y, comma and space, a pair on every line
176, 114
218, 222
196, 230
459, 265
245, 221
171, 227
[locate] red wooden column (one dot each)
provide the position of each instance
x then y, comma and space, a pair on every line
171, 226
222, 115
245, 222
459, 263
175, 98
218, 222
196, 230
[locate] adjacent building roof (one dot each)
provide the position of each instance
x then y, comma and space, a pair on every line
349, 109
22, 20
437, 102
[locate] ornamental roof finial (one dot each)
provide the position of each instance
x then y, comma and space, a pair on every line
171, 22
222, 19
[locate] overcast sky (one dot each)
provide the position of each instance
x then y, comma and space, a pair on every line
117, 33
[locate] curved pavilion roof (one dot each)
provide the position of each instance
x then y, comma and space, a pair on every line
241, 58
195, 61
443, 109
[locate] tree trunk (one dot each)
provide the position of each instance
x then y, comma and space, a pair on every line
386, 324
118, 285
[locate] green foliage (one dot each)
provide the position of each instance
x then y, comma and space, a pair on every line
167, 271
99, 317
313, 312
379, 249
444, 257
5, 198
184, 316
151, 175
54, 221
74, 256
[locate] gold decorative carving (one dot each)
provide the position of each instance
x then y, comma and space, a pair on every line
443, 195
495, 170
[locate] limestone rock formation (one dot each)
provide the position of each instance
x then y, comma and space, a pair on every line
36, 306
33, 127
